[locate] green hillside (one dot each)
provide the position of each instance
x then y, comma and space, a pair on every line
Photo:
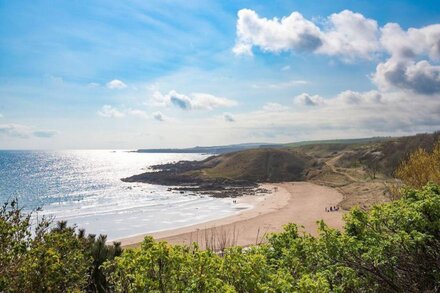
299, 161
259, 165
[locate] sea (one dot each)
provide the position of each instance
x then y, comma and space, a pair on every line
84, 188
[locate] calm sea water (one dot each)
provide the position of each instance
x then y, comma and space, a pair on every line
84, 188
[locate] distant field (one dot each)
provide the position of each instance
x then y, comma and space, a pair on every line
245, 146
338, 141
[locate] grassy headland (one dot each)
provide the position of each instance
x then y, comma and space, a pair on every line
361, 169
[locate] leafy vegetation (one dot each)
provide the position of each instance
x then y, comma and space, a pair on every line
365, 172
382, 157
49, 258
421, 167
395, 247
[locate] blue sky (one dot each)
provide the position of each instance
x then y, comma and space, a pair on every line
136, 74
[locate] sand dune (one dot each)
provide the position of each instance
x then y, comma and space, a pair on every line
302, 203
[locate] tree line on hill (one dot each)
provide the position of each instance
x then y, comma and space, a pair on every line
386, 156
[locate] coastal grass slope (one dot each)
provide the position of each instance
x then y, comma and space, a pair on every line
361, 169
293, 162
259, 165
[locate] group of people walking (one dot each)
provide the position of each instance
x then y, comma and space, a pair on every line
332, 209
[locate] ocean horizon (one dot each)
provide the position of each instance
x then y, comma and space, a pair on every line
84, 188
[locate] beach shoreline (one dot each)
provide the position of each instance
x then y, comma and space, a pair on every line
303, 203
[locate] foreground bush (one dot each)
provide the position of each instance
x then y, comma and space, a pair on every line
49, 258
421, 167
394, 247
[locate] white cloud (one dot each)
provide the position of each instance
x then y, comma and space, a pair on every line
285, 68
137, 113
116, 84
355, 98
420, 77
110, 112
208, 102
350, 35
348, 97
1, 115
274, 107
281, 85
308, 100
179, 100
408, 44
348, 113
242, 48
293, 32
158, 99
228, 117
159, 116
413, 54
346, 34
93, 85
405, 69
24, 131
197, 101
15, 130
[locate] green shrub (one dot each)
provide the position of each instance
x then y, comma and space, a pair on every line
52, 260
49, 258
421, 167
394, 247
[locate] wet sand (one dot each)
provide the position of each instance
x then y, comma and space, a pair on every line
302, 203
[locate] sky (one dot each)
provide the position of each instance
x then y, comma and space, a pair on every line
155, 74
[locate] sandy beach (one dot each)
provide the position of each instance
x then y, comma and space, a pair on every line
302, 203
